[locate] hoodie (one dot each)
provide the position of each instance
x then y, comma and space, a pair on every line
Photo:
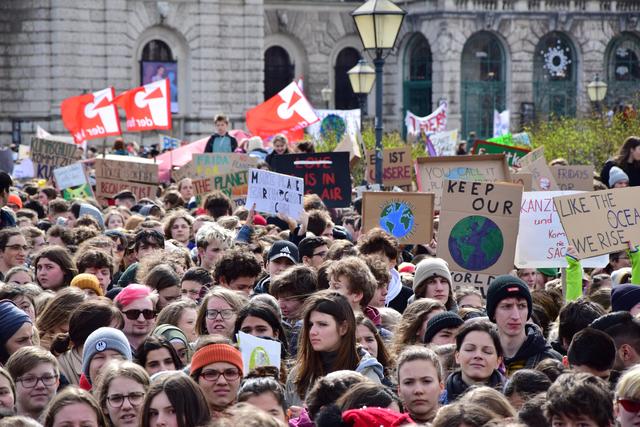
534, 349
456, 386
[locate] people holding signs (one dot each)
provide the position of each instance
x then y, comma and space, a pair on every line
275, 193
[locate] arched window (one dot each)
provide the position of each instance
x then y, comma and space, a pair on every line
278, 71
554, 76
623, 69
157, 63
416, 88
344, 97
483, 83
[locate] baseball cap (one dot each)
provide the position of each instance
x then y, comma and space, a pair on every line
284, 249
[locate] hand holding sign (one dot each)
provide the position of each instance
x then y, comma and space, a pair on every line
275, 193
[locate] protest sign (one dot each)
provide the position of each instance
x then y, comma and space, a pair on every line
465, 279
523, 178
513, 154
275, 193
23, 169
360, 189
434, 122
48, 154
107, 188
168, 142
127, 168
233, 184
396, 167
444, 143
573, 177
406, 216
600, 222
536, 164
208, 165
324, 174
70, 176
542, 242
479, 226
432, 171
185, 171
81, 192
257, 352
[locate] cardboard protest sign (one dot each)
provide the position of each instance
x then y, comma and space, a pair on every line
232, 184
479, 226
432, 171
70, 176
185, 171
444, 143
107, 188
406, 216
396, 167
48, 154
536, 164
513, 154
542, 242
523, 178
275, 193
257, 352
324, 174
208, 165
573, 177
117, 173
600, 222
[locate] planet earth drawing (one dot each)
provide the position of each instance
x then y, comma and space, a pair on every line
397, 218
476, 243
333, 126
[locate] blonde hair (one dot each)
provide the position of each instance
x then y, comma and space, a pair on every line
234, 299
116, 369
416, 352
629, 384
490, 398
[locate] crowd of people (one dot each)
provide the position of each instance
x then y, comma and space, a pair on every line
128, 315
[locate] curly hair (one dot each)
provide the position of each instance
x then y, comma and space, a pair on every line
235, 263
376, 241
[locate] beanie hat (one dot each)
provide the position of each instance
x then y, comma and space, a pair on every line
431, 267
549, 272
507, 286
624, 297
15, 199
102, 339
213, 353
173, 333
259, 220
382, 417
131, 293
87, 209
88, 281
616, 175
406, 267
11, 319
440, 321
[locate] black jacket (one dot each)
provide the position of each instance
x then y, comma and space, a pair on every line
209, 147
534, 349
455, 386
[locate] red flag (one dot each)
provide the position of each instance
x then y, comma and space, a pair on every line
288, 112
91, 116
147, 107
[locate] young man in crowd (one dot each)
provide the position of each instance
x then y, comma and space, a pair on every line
195, 282
211, 242
138, 309
238, 271
282, 256
352, 278
221, 141
102, 346
146, 242
591, 351
509, 306
125, 198
37, 377
579, 400
574, 317
625, 331
96, 262
313, 251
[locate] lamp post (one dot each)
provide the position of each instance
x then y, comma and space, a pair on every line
362, 77
326, 93
596, 91
378, 23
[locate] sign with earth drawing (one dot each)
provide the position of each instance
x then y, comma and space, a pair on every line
479, 226
406, 216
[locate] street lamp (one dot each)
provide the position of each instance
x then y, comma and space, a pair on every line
362, 77
378, 23
596, 91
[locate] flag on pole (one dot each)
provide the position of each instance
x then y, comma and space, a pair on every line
90, 116
147, 107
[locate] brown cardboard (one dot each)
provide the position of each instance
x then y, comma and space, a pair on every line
233, 185
536, 164
465, 279
573, 177
127, 168
208, 165
396, 167
432, 171
496, 202
523, 178
185, 171
107, 188
420, 205
600, 222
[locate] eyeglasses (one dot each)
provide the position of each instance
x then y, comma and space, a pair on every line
18, 247
321, 254
213, 375
135, 314
117, 400
225, 314
630, 405
32, 380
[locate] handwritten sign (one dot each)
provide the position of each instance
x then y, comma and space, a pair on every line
232, 184
48, 154
573, 177
70, 176
513, 154
600, 222
107, 188
536, 164
208, 165
396, 167
479, 226
445, 143
542, 243
406, 216
324, 174
127, 168
432, 171
523, 178
185, 171
465, 279
275, 193
257, 352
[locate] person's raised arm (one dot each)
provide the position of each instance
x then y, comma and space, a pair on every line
573, 275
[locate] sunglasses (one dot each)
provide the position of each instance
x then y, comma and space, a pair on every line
630, 405
135, 314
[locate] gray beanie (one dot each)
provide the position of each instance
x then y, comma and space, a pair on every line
87, 209
616, 175
102, 339
431, 267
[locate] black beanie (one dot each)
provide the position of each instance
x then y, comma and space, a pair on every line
440, 321
507, 286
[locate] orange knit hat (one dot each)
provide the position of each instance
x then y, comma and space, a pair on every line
87, 281
213, 353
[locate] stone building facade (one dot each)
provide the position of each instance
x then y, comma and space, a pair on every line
532, 57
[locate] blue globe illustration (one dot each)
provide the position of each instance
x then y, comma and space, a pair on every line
333, 126
476, 243
397, 219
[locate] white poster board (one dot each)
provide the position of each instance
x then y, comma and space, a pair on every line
70, 176
257, 352
275, 193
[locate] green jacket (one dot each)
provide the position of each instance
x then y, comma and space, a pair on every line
574, 278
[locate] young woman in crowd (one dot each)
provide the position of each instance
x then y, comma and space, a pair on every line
19, 275
218, 312
7, 393
178, 341
628, 159
121, 392
259, 319
368, 336
54, 319
166, 282
74, 407
327, 343
266, 394
177, 226
54, 268
413, 324
419, 382
114, 219
16, 331
182, 314
156, 354
280, 147
23, 296
627, 398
